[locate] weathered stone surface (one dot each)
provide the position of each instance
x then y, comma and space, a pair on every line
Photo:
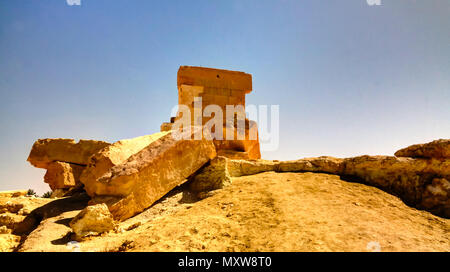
45, 151
237, 168
4, 230
249, 144
10, 220
166, 126
321, 164
62, 175
436, 197
151, 173
11, 207
92, 220
212, 176
405, 177
13, 193
218, 78
8, 242
222, 88
422, 183
115, 154
233, 154
439, 149
51, 208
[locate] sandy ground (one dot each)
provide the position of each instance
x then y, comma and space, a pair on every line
267, 212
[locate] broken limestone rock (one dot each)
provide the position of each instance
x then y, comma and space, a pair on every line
212, 176
151, 173
45, 151
115, 154
92, 220
439, 149
62, 175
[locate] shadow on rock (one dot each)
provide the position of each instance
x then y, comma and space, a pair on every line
52, 209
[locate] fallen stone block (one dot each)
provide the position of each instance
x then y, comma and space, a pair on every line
92, 220
439, 149
212, 176
46, 151
63, 175
151, 173
115, 154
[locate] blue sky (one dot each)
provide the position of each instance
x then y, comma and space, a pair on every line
350, 78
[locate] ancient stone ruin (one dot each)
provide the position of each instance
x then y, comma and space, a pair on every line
120, 180
226, 89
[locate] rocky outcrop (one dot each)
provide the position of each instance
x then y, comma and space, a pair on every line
422, 183
115, 154
439, 149
46, 151
145, 177
407, 178
14, 209
92, 220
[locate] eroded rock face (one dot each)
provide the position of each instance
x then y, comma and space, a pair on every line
422, 183
439, 149
62, 175
46, 151
148, 175
92, 220
115, 154
405, 177
436, 197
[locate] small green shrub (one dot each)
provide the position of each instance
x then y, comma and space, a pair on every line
31, 192
47, 194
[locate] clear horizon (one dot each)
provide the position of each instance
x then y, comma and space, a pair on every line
349, 78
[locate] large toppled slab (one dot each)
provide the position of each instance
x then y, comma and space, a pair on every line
115, 154
146, 176
439, 149
46, 151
